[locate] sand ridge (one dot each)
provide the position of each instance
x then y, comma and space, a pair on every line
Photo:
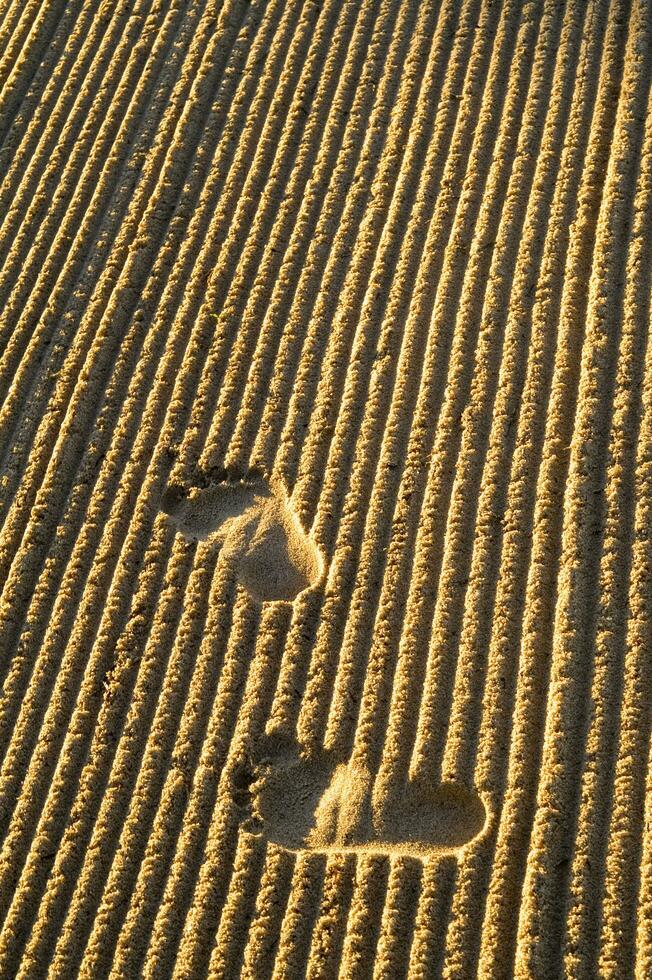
325, 428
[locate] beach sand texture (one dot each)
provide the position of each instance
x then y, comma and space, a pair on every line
325, 489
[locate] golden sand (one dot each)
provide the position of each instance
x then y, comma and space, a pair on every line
325, 489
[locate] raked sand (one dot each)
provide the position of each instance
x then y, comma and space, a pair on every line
325, 489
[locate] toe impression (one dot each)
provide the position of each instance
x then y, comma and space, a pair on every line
320, 804
271, 554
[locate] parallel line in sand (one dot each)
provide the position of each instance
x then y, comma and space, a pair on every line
368, 252
395, 255
45, 113
136, 332
621, 875
211, 373
96, 178
433, 915
643, 962
370, 700
334, 426
83, 354
374, 160
298, 922
361, 644
156, 660
374, 690
613, 623
58, 326
365, 913
48, 914
174, 892
233, 280
18, 108
40, 207
198, 352
236, 720
230, 939
10, 19
352, 261
196, 232
546, 881
149, 429
399, 919
137, 756
330, 925
322, 273
499, 933
399, 348
515, 513
368, 246
514, 166
409, 590
263, 939
15, 35
265, 316
26, 171
295, 665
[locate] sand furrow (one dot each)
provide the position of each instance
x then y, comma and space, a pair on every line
324, 267
49, 323
41, 208
60, 252
230, 940
406, 593
18, 34
397, 926
526, 419
290, 232
324, 489
620, 880
29, 97
615, 581
546, 880
512, 176
436, 184
150, 417
363, 925
105, 638
540, 595
271, 904
119, 289
125, 363
330, 924
32, 137
299, 919
242, 251
240, 404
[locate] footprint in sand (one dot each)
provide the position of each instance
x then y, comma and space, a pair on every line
315, 803
260, 536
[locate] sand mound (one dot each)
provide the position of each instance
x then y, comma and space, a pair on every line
325, 489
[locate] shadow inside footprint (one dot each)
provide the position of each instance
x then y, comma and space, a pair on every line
317, 803
261, 537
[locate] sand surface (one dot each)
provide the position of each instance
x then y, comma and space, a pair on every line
325, 489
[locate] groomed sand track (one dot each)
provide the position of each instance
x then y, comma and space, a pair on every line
346, 303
